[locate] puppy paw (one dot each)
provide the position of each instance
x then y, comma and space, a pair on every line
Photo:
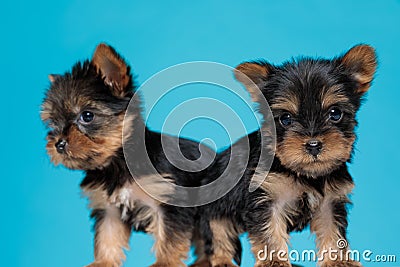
160, 264
202, 263
102, 264
275, 263
228, 264
341, 264
222, 262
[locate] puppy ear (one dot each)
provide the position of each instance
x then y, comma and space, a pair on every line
113, 69
252, 75
362, 62
53, 77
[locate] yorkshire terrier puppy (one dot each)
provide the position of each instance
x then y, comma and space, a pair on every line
314, 103
85, 110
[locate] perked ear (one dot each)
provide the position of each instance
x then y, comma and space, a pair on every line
362, 62
252, 75
113, 69
53, 77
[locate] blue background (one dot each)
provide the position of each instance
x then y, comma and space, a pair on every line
44, 221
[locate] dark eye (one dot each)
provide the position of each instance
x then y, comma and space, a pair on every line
335, 114
86, 117
285, 119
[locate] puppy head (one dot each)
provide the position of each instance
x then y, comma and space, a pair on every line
84, 110
314, 102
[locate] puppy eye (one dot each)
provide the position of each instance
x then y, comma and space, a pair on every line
286, 119
86, 117
335, 114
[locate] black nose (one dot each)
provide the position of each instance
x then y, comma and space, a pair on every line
60, 146
314, 147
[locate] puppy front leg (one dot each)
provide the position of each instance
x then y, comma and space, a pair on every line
199, 243
111, 238
171, 246
268, 232
173, 234
224, 244
329, 224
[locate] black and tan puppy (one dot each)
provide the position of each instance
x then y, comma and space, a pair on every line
314, 104
85, 110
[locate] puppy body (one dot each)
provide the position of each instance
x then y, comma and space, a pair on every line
85, 110
314, 103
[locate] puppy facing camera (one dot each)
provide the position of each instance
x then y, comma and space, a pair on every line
314, 103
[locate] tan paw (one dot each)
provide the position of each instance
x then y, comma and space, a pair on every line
341, 264
227, 264
202, 263
274, 263
102, 264
221, 262
164, 264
